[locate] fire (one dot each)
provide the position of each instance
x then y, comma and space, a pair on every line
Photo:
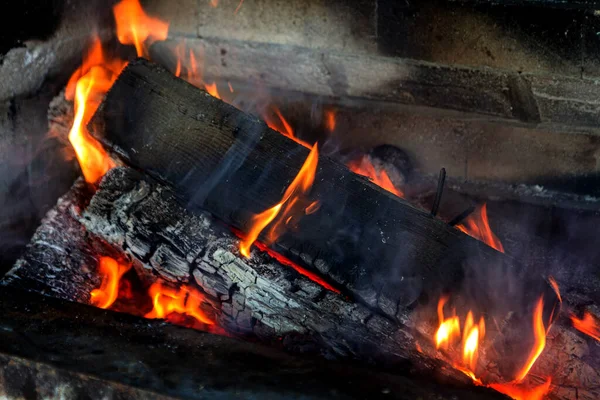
330, 120
185, 300
87, 86
291, 198
588, 325
539, 332
473, 334
520, 393
364, 167
449, 329
554, 286
111, 272
135, 27
478, 226
276, 121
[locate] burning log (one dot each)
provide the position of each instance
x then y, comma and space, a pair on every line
380, 249
48, 343
257, 298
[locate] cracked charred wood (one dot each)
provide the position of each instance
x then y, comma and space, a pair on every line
375, 245
48, 344
61, 258
256, 296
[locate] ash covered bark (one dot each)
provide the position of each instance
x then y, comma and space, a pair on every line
256, 297
61, 258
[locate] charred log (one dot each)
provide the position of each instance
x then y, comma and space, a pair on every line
381, 249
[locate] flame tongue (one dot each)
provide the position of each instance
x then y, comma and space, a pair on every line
184, 300
135, 27
588, 325
478, 226
112, 272
539, 332
291, 198
87, 86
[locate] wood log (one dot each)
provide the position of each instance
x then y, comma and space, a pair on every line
138, 212
47, 344
256, 297
371, 243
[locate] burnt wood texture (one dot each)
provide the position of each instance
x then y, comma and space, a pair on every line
48, 344
373, 244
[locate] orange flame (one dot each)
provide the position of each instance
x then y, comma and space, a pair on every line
238, 7
214, 3
520, 393
588, 325
540, 340
330, 120
554, 285
364, 167
111, 272
299, 186
473, 334
185, 300
136, 27
281, 125
86, 87
478, 227
449, 329
212, 90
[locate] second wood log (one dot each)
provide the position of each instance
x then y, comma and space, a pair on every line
378, 247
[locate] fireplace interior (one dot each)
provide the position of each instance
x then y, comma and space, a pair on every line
270, 199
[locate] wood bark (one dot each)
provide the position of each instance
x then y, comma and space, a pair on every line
48, 344
378, 247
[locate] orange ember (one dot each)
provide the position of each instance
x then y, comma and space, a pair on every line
184, 301
539, 332
291, 198
111, 272
364, 167
520, 393
588, 325
302, 271
87, 87
448, 330
478, 227
137, 28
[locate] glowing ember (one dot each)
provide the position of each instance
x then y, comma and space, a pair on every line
478, 226
108, 292
87, 87
364, 167
302, 271
449, 329
539, 332
588, 325
520, 393
291, 198
135, 27
185, 300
